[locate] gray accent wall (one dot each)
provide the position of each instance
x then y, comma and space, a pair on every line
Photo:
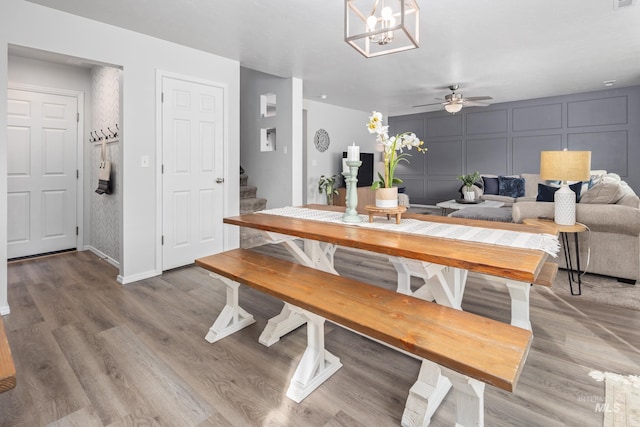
507, 138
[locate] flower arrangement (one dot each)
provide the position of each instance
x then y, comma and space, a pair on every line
393, 150
328, 185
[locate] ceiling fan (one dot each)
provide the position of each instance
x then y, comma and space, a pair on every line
455, 101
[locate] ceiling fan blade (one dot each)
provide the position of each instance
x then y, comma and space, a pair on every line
478, 98
475, 104
425, 105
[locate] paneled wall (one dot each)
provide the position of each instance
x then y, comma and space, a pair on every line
507, 139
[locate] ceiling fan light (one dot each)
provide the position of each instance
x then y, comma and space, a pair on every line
453, 108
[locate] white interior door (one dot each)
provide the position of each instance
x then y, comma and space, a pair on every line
42, 168
192, 156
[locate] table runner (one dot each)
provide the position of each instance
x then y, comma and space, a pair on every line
515, 239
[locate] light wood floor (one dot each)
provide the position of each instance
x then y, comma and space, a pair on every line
90, 352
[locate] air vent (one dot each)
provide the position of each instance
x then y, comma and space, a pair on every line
617, 4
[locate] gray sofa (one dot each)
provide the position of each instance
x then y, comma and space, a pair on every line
611, 211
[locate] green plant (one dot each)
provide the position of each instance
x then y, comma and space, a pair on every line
329, 186
393, 147
469, 179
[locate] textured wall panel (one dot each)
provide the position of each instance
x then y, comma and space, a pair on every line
487, 156
440, 126
105, 209
537, 117
441, 190
597, 112
526, 151
444, 158
609, 150
483, 122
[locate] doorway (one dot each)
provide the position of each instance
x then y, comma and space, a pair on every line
42, 164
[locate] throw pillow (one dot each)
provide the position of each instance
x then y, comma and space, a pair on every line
603, 193
510, 186
490, 185
546, 192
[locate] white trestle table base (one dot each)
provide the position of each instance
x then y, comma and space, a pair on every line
317, 365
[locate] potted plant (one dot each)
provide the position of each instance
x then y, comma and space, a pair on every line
468, 181
328, 185
386, 193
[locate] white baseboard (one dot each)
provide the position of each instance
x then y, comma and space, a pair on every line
102, 255
123, 280
4, 310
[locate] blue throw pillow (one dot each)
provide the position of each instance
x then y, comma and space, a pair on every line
490, 185
546, 192
510, 186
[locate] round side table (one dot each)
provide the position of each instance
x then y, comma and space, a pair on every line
575, 229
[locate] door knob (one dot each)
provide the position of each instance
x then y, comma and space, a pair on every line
219, 180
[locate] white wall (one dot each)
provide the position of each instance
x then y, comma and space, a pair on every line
277, 174
344, 126
30, 25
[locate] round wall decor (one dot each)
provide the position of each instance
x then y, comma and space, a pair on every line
321, 140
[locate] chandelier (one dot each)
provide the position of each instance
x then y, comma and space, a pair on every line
380, 27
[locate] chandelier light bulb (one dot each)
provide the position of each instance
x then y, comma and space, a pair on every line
386, 13
371, 22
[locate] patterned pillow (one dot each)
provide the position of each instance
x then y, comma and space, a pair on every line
510, 186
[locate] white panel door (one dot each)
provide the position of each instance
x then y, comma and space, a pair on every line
192, 153
42, 163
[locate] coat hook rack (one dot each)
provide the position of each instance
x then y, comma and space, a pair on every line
111, 136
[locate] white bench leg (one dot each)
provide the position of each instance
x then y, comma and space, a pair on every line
469, 399
233, 317
280, 325
519, 292
425, 395
316, 365
313, 255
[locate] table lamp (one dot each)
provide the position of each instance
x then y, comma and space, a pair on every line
565, 166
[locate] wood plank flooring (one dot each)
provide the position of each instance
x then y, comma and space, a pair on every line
90, 352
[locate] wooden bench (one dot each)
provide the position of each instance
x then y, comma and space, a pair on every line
7, 368
455, 346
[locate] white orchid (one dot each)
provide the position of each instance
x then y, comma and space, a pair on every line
391, 146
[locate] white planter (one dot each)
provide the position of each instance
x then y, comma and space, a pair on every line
469, 195
387, 197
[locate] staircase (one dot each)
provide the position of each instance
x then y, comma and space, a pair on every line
250, 203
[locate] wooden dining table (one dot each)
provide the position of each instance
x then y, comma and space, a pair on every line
443, 263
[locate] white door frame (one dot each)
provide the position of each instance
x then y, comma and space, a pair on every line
160, 74
79, 148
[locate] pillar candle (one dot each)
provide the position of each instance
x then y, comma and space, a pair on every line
353, 153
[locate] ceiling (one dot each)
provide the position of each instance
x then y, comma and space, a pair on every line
510, 50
